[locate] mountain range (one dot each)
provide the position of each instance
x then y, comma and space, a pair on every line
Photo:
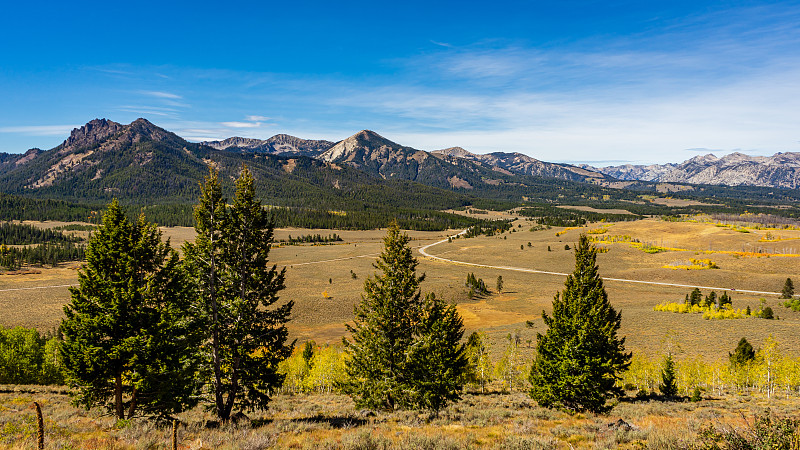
144, 164
781, 170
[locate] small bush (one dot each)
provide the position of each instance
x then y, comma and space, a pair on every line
766, 432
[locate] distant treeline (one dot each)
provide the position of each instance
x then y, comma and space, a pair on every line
49, 254
312, 239
22, 234
488, 227
13, 207
560, 217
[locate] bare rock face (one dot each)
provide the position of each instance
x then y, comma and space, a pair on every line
280, 144
781, 170
97, 130
373, 145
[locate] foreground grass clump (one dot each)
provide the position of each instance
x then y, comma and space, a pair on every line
319, 421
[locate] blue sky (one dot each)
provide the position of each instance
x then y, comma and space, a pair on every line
575, 81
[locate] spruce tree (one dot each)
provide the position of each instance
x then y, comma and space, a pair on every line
129, 341
404, 352
499, 284
437, 359
696, 297
580, 356
743, 354
236, 292
308, 354
788, 289
384, 328
669, 385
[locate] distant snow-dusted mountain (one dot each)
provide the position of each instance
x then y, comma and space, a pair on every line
781, 170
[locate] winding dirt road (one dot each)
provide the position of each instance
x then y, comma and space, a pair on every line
424, 252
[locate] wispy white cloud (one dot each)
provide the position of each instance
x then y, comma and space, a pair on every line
149, 110
256, 118
241, 124
160, 94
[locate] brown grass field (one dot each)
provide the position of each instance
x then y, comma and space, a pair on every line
329, 421
319, 280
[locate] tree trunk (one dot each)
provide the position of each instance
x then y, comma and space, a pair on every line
234, 391
118, 396
134, 403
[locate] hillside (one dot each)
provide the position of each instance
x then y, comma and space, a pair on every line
517, 163
366, 174
781, 170
453, 168
142, 164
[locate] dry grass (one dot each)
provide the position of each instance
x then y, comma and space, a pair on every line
330, 421
309, 269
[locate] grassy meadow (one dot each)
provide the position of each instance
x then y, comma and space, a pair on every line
328, 421
320, 279
326, 281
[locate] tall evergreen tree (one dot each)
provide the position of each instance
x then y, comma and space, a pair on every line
580, 356
236, 292
437, 359
669, 385
128, 339
384, 328
788, 289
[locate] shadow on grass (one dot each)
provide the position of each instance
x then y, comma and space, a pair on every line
335, 422
661, 398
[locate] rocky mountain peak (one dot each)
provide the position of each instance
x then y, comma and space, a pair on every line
93, 132
456, 152
364, 139
235, 141
371, 137
143, 129
703, 159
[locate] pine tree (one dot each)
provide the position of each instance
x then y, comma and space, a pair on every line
383, 328
499, 283
669, 385
788, 289
405, 352
236, 292
437, 359
696, 297
711, 299
308, 354
128, 338
743, 354
580, 356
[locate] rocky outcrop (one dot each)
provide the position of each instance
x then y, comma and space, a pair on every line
94, 132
